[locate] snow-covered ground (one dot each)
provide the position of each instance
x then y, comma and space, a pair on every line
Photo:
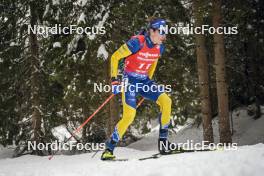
246, 161
247, 131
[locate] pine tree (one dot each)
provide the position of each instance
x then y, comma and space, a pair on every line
202, 64
35, 79
222, 89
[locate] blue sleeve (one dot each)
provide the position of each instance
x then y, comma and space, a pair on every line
162, 49
133, 45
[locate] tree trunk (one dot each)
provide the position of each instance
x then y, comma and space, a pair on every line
35, 78
222, 91
202, 64
113, 107
113, 115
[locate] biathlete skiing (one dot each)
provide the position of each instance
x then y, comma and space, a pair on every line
141, 54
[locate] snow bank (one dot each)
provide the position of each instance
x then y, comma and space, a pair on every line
5, 153
247, 131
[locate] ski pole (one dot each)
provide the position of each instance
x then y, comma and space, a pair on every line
140, 102
86, 121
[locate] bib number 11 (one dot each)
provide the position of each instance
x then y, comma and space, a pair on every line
144, 65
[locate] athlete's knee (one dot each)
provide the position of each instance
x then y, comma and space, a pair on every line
164, 100
129, 114
165, 107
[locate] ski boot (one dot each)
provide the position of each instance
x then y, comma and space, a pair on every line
108, 153
165, 147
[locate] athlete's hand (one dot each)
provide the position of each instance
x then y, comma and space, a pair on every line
116, 86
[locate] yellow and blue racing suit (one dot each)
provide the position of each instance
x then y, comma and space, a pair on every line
141, 58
